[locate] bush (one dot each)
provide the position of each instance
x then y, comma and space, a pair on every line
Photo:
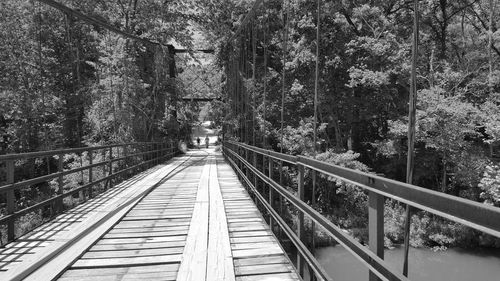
490, 185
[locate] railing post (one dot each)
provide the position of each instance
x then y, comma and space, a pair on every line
103, 154
60, 181
313, 226
150, 155
247, 158
11, 201
376, 227
271, 192
280, 198
91, 176
161, 152
155, 154
300, 224
125, 158
255, 174
110, 167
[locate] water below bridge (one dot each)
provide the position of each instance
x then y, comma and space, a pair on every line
425, 264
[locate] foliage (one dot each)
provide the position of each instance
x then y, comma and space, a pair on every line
299, 140
490, 185
65, 83
364, 63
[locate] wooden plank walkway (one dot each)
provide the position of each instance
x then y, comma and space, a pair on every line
198, 224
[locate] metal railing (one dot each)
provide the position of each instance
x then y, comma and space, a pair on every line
479, 216
88, 170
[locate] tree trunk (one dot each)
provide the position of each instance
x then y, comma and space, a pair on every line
444, 175
338, 135
444, 26
350, 140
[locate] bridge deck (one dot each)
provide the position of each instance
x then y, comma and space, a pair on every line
189, 219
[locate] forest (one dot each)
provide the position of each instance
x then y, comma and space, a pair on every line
67, 83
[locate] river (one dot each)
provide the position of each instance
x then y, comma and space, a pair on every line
424, 264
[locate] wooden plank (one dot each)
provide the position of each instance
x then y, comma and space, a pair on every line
121, 262
149, 229
75, 273
163, 276
263, 269
249, 228
220, 260
147, 234
279, 276
141, 240
253, 245
260, 260
194, 258
249, 233
138, 252
257, 252
244, 220
157, 217
149, 223
145, 245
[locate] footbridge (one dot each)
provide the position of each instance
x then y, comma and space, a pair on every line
147, 211
238, 210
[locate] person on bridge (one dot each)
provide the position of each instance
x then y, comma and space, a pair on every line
198, 141
206, 141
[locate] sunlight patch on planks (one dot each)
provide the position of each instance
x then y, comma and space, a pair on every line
149, 241
57, 236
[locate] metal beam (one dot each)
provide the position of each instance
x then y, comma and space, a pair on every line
247, 18
92, 20
206, 51
199, 99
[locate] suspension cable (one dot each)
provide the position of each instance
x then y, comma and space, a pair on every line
245, 88
266, 29
40, 65
315, 121
411, 130
316, 77
254, 60
285, 47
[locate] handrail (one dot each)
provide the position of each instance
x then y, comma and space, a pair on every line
116, 160
7, 187
317, 268
46, 153
473, 214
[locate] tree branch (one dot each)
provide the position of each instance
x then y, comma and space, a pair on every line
343, 11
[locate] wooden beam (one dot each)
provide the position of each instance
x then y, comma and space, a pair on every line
219, 259
194, 258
